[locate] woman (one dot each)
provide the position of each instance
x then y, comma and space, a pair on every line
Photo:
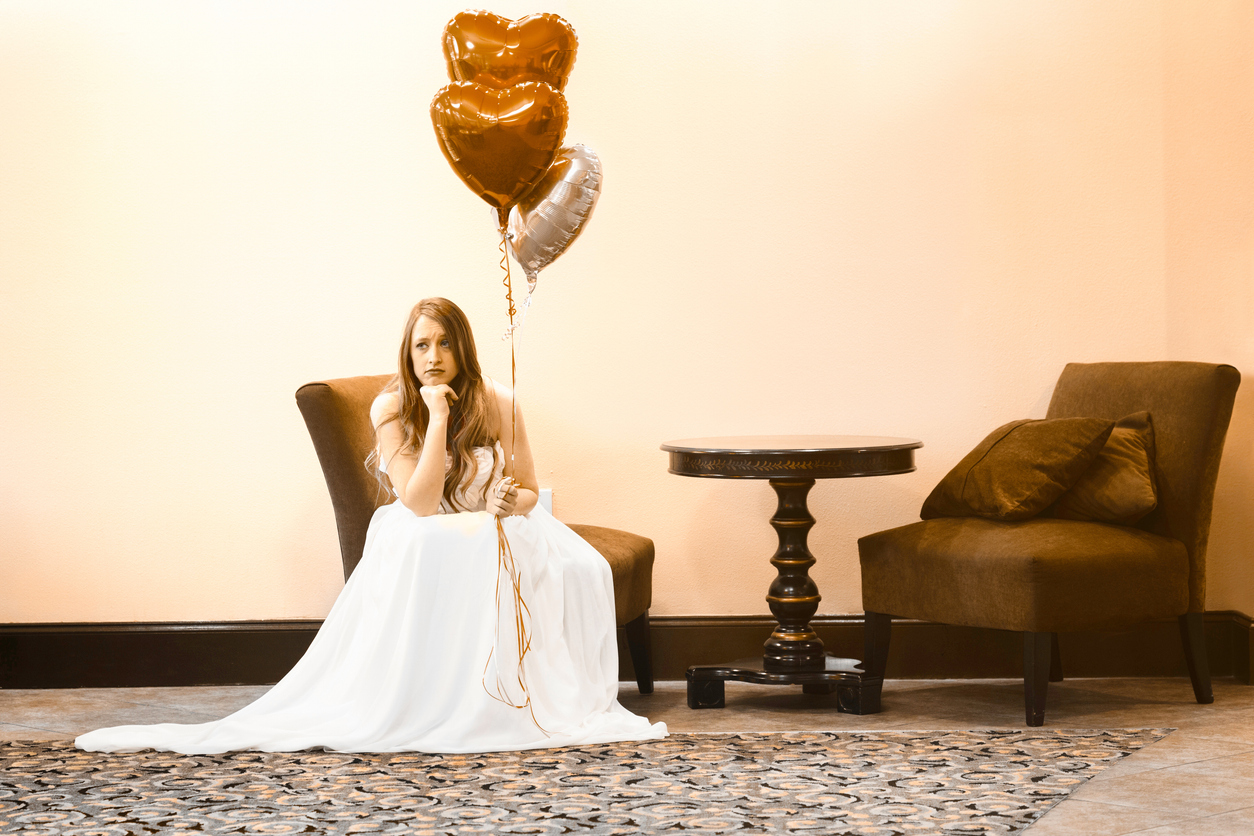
475, 621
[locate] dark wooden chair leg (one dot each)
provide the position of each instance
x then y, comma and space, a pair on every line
1055, 659
1036, 657
641, 649
1193, 636
876, 631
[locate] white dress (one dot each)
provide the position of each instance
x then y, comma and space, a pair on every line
406, 657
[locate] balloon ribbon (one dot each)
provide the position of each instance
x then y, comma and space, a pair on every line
505, 555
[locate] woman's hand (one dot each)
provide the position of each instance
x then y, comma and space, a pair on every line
437, 399
502, 497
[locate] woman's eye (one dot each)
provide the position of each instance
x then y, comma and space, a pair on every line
421, 346
443, 343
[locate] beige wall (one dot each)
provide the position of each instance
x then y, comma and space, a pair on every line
882, 218
1210, 248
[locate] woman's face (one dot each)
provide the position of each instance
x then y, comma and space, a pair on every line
432, 354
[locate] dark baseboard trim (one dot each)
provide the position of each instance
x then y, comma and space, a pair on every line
137, 654
924, 650
118, 655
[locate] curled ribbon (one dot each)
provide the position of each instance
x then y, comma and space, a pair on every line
508, 567
506, 564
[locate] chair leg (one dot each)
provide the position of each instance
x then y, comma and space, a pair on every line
1036, 658
1193, 635
876, 631
641, 648
1055, 659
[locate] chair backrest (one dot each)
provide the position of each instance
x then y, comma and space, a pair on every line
337, 413
1189, 405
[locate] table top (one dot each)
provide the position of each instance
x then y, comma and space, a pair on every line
752, 444
791, 456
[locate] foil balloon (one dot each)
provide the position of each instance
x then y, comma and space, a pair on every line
549, 217
499, 142
496, 52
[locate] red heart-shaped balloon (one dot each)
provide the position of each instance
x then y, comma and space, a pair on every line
498, 52
499, 142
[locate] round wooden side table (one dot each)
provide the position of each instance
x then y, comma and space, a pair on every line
793, 654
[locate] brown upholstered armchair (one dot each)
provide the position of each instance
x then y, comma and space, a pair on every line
337, 413
1042, 576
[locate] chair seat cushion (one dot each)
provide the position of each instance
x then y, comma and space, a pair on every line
631, 562
1039, 575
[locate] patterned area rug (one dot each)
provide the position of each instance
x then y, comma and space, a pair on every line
864, 783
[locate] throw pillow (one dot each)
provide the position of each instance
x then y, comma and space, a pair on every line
1119, 486
1019, 469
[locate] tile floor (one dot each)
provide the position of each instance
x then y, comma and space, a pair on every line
1198, 781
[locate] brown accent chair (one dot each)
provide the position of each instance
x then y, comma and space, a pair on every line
337, 413
1043, 575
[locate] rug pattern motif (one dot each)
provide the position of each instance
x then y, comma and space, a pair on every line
857, 783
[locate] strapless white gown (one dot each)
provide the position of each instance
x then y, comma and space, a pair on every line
405, 658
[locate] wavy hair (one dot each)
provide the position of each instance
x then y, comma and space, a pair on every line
470, 416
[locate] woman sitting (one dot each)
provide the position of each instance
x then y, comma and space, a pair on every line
474, 622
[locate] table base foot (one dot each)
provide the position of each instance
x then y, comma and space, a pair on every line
706, 693
856, 693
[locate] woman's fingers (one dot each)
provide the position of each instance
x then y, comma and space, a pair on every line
503, 497
437, 397
431, 393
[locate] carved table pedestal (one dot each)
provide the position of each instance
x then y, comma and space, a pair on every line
793, 655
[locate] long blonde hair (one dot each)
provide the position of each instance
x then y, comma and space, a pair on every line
470, 416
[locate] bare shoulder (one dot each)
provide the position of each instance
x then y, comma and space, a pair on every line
500, 391
503, 397
385, 407
501, 394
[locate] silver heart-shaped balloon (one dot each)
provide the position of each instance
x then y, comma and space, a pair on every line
548, 218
